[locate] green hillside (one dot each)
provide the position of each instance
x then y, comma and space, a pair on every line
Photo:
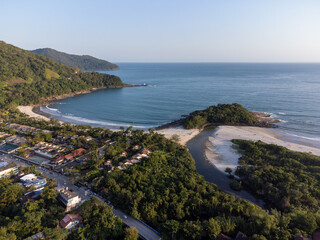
222, 114
27, 77
84, 62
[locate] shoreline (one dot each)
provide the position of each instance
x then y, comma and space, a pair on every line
184, 135
220, 150
268, 135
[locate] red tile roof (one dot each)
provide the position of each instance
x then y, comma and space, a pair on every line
78, 152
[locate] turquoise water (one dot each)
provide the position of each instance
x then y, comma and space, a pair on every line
291, 92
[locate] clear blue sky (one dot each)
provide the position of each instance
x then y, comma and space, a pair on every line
168, 30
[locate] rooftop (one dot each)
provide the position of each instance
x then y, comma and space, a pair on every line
65, 193
4, 166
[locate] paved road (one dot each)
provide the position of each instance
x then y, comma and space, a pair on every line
145, 232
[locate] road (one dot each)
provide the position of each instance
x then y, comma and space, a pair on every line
144, 230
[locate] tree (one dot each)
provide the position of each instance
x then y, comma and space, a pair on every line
131, 234
175, 138
4, 235
213, 228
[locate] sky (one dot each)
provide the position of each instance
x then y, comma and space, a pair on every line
168, 30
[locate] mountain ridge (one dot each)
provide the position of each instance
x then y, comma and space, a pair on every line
27, 78
84, 62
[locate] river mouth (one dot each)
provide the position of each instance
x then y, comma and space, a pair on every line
197, 147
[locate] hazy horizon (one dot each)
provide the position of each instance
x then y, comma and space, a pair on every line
168, 31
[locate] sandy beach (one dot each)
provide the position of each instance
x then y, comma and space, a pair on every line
184, 134
220, 152
28, 111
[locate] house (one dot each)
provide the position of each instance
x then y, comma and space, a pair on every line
68, 157
57, 161
124, 154
31, 196
78, 152
67, 198
136, 147
88, 138
3, 134
37, 236
71, 221
128, 162
145, 151
7, 169
134, 161
33, 180
16, 140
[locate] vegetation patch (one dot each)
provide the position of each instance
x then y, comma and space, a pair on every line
286, 179
222, 114
49, 74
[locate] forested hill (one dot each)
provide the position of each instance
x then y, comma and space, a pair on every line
84, 62
27, 77
224, 114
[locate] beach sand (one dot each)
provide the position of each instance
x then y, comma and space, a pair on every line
28, 111
220, 152
184, 134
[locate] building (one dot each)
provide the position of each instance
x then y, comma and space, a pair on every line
37, 236
26, 129
16, 140
78, 152
71, 221
68, 199
8, 169
31, 196
33, 180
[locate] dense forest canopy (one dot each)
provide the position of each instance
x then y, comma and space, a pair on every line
27, 77
84, 62
286, 179
166, 191
18, 221
222, 114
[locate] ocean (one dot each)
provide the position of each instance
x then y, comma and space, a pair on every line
290, 92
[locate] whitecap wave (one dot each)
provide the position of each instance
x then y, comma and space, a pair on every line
283, 121
103, 123
52, 109
80, 120
317, 139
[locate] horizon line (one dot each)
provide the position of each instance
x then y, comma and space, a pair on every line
217, 62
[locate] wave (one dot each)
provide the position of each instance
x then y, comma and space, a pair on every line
304, 137
86, 121
275, 116
103, 123
281, 120
52, 109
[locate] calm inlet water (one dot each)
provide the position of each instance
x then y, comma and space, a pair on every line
291, 92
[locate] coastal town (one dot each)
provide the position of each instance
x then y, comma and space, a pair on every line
60, 160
